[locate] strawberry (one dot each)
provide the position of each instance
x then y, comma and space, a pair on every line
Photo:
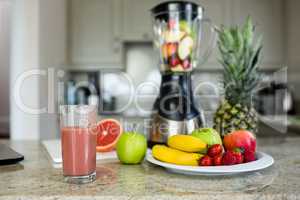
186, 64
229, 158
238, 153
215, 150
206, 161
249, 156
174, 61
239, 158
218, 160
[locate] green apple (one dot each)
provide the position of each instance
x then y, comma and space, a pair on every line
131, 148
185, 47
209, 135
185, 26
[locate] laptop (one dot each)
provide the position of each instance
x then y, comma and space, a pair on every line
8, 156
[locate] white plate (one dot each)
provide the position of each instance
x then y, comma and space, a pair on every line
263, 161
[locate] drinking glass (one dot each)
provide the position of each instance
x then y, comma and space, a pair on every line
78, 139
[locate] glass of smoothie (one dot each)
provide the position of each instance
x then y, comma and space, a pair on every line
78, 139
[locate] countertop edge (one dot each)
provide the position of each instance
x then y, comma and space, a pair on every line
202, 196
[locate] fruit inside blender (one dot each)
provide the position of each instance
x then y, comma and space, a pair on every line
177, 46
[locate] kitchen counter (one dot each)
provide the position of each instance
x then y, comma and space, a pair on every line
35, 178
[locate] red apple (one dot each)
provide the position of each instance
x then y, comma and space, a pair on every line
242, 139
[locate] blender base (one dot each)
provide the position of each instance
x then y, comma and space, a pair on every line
162, 128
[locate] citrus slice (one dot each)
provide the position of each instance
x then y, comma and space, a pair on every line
109, 131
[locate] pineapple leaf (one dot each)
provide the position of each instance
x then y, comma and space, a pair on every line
258, 44
253, 62
240, 58
240, 42
222, 48
248, 32
228, 38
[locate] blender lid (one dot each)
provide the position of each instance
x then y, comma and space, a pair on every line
177, 6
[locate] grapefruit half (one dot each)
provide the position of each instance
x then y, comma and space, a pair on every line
109, 131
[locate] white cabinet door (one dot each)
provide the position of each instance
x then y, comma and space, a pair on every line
93, 33
268, 16
137, 25
218, 11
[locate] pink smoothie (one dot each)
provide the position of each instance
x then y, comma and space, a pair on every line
78, 151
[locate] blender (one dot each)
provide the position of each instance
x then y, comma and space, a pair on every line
178, 27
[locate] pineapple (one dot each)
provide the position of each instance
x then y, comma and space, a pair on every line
240, 57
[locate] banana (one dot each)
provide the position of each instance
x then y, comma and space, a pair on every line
187, 143
174, 156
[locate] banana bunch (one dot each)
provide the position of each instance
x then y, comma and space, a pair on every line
181, 150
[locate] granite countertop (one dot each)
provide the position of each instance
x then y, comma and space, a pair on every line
35, 178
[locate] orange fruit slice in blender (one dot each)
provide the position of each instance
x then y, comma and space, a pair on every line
109, 131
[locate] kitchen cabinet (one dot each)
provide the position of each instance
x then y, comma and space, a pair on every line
137, 25
268, 15
99, 28
293, 43
94, 34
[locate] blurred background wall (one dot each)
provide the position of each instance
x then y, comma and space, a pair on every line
88, 39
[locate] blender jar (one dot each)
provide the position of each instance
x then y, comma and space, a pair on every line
177, 35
